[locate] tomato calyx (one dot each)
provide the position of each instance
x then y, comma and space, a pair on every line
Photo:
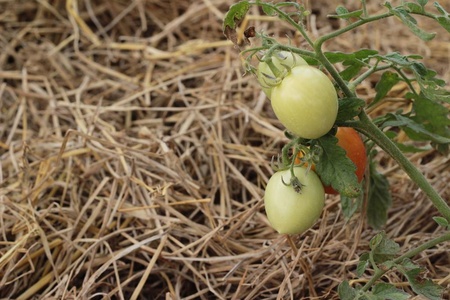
294, 182
297, 153
274, 65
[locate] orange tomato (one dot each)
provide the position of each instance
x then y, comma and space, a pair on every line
350, 141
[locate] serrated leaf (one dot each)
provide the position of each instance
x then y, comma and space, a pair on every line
410, 22
343, 13
363, 264
335, 168
441, 221
345, 291
383, 248
379, 199
387, 81
233, 18
349, 108
389, 291
423, 287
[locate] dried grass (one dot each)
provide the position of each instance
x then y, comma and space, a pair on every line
134, 155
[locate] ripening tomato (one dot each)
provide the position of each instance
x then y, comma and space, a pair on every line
290, 212
305, 102
281, 60
351, 142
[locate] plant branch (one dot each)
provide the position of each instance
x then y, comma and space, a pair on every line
409, 254
363, 21
333, 34
366, 74
286, 17
408, 82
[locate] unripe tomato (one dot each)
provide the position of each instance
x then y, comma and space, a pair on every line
280, 59
305, 102
351, 142
290, 212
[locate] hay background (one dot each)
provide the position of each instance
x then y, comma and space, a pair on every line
157, 191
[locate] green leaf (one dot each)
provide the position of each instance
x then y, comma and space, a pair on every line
414, 130
422, 2
433, 115
349, 206
335, 168
349, 108
343, 13
389, 291
410, 22
423, 287
340, 10
383, 248
269, 10
387, 81
404, 147
441, 221
235, 14
233, 18
346, 292
335, 57
379, 198
443, 20
431, 87
413, 7
396, 58
354, 68
363, 264
412, 149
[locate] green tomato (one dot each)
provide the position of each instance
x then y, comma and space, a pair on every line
280, 59
305, 102
290, 212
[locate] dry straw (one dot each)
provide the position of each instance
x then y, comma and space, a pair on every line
134, 154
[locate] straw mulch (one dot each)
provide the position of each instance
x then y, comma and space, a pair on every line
134, 156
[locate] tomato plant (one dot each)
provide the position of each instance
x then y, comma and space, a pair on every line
305, 102
351, 142
288, 211
282, 60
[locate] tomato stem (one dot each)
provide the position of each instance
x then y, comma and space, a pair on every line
366, 126
291, 243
